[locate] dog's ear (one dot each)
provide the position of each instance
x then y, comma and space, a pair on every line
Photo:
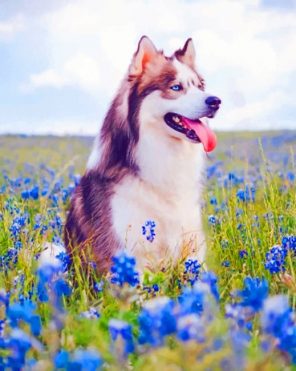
187, 53
145, 52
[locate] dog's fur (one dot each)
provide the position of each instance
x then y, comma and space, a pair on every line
141, 169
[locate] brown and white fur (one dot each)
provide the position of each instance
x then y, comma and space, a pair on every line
140, 169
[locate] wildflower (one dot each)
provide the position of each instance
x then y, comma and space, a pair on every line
254, 292
190, 327
210, 279
85, 360
289, 242
92, 313
275, 259
148, 230
191, 300
212, 219
243, 253
19, 343
123, 270
61, 359
156, 321
65, 260
25, 312
213, 201
192, 270
98, 286
247, 194
276, 316
121, 332
226, 263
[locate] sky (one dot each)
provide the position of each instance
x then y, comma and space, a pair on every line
61, 61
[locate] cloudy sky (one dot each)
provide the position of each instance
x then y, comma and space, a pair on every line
62, 60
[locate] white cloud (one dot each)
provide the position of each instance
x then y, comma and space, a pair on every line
245, 51
80, 70
9, 28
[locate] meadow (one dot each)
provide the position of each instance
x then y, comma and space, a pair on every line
238, 313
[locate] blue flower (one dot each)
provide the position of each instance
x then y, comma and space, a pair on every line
92, 313
85, 360
191, 300
191, 327
247, 194
210, 279
121, 332
156, 321
192, 270
243, 253
61, 359
212, 219
123, 270
275, 259
289, 243
25, 312
254, 293
148, 230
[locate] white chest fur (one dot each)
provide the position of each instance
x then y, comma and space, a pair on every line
167, 191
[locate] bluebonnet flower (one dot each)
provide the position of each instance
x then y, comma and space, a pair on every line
51, 285
243, 254
238, 313
212, 219
123, 270
291, 176
289, 242
156, 321
192, 270
26, 313
19, 343
98, 286
276, 316
65, 260
190, 327
226, 263
277, 321
92, 313
85, 360
191, 300
210, 279
213, 200
254, 293
61, 359
247, 194
275, 259
148, 230
121, 332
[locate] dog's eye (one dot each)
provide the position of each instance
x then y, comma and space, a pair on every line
176, 87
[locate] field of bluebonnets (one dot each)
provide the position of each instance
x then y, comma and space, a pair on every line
238, 314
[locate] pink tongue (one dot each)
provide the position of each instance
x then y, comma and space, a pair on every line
204, 133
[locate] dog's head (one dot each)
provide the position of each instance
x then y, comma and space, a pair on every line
172, 94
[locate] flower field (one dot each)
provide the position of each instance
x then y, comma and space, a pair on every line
237, 313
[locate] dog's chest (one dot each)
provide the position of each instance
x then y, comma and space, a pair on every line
172, 202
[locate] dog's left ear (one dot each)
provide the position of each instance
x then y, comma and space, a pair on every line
187, 54
146, 52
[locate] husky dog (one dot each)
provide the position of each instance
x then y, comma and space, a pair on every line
147, 164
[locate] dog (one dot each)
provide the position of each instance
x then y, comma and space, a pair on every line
147, 164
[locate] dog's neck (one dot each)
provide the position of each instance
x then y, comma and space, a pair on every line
170, 164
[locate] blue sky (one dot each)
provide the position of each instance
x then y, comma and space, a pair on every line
62, 61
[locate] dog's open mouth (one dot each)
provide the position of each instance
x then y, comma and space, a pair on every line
195, 130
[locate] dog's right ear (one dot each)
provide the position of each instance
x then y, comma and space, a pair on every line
145, 52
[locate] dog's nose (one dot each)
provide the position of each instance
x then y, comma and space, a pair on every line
213, 102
